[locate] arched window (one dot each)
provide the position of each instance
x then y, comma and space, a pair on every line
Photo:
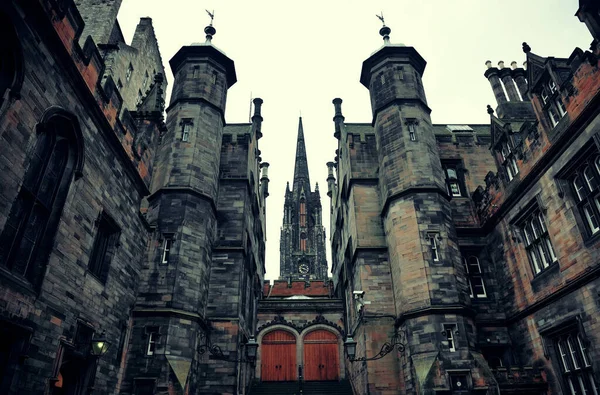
27, 237
11, 70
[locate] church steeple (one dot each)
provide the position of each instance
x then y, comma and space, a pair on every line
301, 178
302, 243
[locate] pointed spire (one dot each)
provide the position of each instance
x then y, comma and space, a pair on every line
301, 179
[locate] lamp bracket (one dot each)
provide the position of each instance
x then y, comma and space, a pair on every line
389, 346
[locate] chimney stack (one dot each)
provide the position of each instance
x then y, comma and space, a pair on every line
509, 84
492, 75
338, 118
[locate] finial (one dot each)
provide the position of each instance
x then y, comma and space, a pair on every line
210, 30
526, 48
490, 110
384, 31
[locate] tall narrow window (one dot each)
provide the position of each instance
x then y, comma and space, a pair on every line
138, 101
412, 131
186, 129
585, 183
129, 72
433, 247
31, 225
509, 162
454, 178
449, 330
573, 361
552, 103
145, 82
303, 241
166, 249
107, 235
537, 242
474, 277
153, 336
302, 213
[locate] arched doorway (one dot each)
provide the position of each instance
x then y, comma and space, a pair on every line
278, 356
321, 356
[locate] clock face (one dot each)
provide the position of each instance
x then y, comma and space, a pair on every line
303, 268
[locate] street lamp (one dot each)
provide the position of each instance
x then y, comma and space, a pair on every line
100, 345
350, 346
251, 349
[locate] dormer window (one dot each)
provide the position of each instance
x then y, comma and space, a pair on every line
554, 107
454, 178
509, 162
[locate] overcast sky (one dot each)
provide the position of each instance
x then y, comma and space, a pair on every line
298, 56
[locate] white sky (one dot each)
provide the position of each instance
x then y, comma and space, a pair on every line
298, 56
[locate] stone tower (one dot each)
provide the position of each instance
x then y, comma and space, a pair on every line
302, 242
183, 207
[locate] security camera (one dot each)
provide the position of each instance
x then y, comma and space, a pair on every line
358, 294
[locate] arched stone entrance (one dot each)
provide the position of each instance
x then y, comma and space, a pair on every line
278, 356
321, 356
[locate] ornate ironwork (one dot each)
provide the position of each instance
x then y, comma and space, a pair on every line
387, 348
215, 351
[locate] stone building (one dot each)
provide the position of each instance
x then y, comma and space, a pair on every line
302, 240
464, 257
475, 247
112, 221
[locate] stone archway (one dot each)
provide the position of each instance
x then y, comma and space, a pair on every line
321, 355
278, 356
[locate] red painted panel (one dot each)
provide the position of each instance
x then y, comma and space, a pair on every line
278, 356
321, 357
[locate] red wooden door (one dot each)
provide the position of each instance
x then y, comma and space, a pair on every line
321, 357
278, 356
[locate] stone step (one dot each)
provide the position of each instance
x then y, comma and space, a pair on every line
342, 387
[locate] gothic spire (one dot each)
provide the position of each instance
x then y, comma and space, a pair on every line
301, 178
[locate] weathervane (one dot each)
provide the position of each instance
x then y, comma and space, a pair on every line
384, 31
210, 30
211, 15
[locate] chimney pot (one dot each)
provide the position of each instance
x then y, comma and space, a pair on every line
501, 64
513, 65
488, 64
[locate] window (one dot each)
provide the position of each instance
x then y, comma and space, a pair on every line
449, 331
509, 162
433, 247
11, 68
574, 363
105, 243
412, 131
26, 240
474, 277
166, 248
303, 241
119, 84
145, 82
138, 101
129, 72
454, 179
537, 242
552, 103
302, 213
585, 183
196, 72
186, 129
153, 336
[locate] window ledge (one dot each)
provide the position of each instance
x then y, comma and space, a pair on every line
541, 279
591, 240
17, 282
